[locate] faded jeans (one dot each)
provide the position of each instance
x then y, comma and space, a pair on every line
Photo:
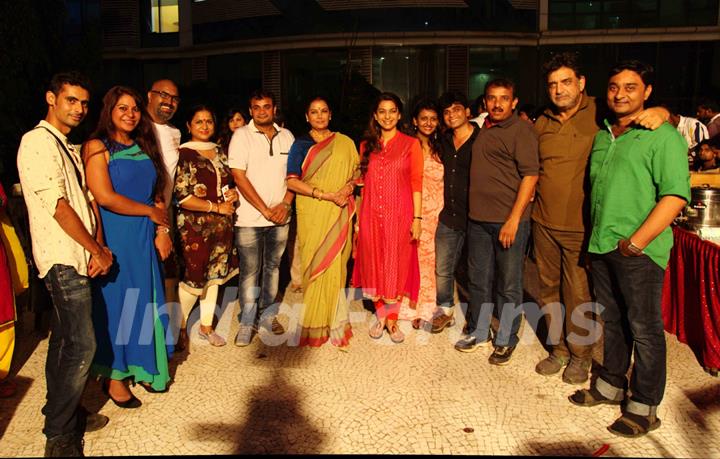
70, 350
259, 251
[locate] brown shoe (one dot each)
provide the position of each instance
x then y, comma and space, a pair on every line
441, 322
277, 327
551, 365
577, 371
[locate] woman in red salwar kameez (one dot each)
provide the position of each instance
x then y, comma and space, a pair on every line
386, 265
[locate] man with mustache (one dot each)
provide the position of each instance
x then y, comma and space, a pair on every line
163, 101
639, 183
503, 173
560, 216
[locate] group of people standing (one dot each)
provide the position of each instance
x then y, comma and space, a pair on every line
108, 221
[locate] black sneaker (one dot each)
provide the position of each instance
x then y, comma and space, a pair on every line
469, 343
501, 355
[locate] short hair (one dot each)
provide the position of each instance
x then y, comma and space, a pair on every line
501, 83
710, 104
73, 78
566, 59
452, 97
261, 94
646, 71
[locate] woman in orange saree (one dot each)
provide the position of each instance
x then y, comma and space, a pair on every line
322, 169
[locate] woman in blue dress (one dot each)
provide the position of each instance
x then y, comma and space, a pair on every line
126, 176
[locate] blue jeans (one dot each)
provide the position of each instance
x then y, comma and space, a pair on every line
70, 350
490, 264
630, 290
259, 248
448, 248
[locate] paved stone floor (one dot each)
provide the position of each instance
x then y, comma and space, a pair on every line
419, 397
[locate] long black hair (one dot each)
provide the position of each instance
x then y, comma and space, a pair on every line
143, 134
434, 139
373, 134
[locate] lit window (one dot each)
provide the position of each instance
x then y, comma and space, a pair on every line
164, 16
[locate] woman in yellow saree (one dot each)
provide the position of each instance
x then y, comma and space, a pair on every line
322, 169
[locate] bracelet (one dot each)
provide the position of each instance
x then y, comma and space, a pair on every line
313, 193
162, 229
417, 218
287, 206
211, 206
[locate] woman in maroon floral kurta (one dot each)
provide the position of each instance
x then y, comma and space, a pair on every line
206, 194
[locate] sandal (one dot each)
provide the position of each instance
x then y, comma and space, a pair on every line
377, 329
396, 336
212, 338
591, 397
417, 324
631, 425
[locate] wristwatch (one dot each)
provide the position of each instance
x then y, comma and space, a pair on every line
635, 249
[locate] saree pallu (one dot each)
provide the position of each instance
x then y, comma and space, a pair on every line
324, 231
13, 281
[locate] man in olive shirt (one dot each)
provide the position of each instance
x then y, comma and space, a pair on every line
639, 183
561, 215
503, 173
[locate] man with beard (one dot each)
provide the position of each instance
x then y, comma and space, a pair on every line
67, 255
163, 100
258, 159
708, 112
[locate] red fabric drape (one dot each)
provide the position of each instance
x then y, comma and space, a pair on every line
691, 296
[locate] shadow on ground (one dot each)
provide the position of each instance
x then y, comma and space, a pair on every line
274, 418
9, 405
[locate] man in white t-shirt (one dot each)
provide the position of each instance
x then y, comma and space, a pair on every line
258, 159
163, 101
692, 130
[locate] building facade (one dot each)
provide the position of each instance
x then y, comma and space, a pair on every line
220, 50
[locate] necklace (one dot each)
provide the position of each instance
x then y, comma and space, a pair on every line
320, 136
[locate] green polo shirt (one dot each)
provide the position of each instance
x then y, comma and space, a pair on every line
628, 175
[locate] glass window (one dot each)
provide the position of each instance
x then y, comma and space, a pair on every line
600, 14
164, 16
409, 72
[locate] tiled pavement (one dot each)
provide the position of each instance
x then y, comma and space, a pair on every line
420, 397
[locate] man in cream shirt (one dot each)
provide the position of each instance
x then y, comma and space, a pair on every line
67, 255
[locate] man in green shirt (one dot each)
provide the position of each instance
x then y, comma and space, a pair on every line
639, 183
561, 217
